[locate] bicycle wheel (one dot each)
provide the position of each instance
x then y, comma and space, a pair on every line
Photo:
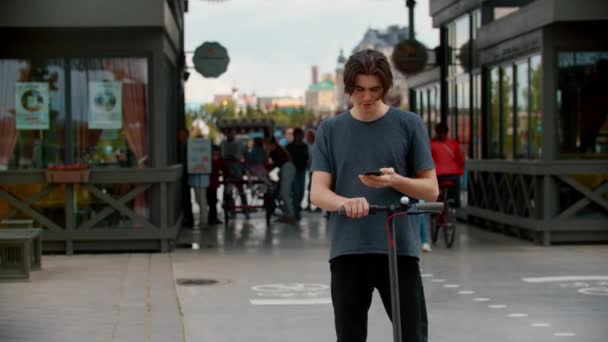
449, 227
434, 223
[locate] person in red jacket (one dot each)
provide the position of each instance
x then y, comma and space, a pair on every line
449, 163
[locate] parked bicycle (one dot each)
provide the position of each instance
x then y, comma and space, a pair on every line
446, 220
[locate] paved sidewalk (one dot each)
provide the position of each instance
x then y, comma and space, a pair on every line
273, 285
125, 297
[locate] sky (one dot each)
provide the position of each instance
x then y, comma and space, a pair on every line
273, 44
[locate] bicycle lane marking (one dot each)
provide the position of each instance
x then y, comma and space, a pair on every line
576, 280
291, 294
594, 285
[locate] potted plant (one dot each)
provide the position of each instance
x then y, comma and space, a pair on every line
70, 173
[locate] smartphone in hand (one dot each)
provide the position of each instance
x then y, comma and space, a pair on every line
373, 173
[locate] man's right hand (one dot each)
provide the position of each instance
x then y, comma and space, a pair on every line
355, 207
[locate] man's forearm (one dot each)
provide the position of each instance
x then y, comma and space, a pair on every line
420, 188
326, 199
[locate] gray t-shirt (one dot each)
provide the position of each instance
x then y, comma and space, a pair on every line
346, 147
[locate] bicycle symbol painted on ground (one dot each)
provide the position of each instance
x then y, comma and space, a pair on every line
291, 294
588, 285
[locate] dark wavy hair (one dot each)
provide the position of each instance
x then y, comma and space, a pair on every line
367, 62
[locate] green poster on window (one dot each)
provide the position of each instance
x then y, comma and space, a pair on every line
105, 105
32, 105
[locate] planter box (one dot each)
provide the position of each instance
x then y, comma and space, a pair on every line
67, 176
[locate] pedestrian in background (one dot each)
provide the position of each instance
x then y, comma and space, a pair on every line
310, 142
280, 158
214, 184
448, 161
199, 182
298, 151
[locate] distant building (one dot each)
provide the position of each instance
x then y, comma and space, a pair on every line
321, 97
241, 101
341, 98
287, 104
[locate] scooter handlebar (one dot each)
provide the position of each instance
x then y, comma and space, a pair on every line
404, 206
372, 209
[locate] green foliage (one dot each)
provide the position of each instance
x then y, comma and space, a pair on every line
211, 114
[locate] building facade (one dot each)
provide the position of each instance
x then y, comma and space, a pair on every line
98, 83
522, 86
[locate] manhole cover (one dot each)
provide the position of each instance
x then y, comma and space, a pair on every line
196, 282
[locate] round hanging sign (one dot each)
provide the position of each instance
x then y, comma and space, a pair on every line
210, 59
409, 56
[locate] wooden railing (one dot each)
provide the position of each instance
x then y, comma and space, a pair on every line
157, 230
532, 195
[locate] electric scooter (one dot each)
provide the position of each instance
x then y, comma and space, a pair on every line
403, 207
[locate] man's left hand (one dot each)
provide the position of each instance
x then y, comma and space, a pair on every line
377, 182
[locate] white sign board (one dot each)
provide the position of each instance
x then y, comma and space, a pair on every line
199, 155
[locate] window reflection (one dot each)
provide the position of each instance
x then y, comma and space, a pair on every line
477, 121
535, 107
582, 97
522, 87
32, 130
508, 129
117, 138
494, 118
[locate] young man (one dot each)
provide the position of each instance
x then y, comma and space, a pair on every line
372, 137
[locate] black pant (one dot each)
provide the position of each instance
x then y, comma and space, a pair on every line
353, 279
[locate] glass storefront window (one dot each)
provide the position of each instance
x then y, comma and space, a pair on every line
461, 47
522, 90
494, 117
110, 127
476, 24
452, 111
514, 121
535, 107
32, 113
583, 104
477, 123
109, 111
508, 120
427, 104
432, 110
420, 103
463, 116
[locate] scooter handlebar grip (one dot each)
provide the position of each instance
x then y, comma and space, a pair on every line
430, 207
372, 210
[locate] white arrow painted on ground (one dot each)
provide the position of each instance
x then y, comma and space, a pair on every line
312, 301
